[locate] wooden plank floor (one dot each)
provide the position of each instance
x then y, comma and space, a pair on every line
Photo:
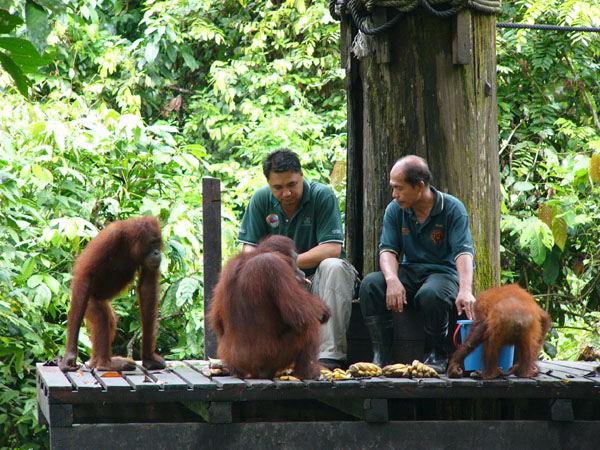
183, 380
150, 409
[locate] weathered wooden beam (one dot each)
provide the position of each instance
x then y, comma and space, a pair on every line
211, 232
462, 38
382, 40
452, 435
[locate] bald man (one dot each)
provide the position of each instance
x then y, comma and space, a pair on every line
426, 259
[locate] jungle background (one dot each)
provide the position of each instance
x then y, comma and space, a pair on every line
116, 108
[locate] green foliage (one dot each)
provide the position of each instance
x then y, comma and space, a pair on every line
20, 57
143, 99
550, 142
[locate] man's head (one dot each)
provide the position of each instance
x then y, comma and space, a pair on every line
281, 160
410, 177
284, 175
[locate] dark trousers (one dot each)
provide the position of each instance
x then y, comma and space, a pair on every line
430, 293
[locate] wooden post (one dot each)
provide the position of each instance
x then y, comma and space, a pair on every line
211, 232
420, 102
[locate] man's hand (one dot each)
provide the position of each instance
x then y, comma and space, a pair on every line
465, 303
395, 295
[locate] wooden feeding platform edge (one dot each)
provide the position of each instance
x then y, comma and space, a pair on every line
180, 406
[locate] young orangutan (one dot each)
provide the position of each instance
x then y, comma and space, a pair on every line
504, 315
108, 264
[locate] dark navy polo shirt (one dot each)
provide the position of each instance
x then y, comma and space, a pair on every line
316, 221
435, 244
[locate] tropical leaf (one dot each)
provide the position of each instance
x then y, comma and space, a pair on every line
8, 21
38, 25
559, 232
24, 54
545, 214
21, 81
595, 167
551, 269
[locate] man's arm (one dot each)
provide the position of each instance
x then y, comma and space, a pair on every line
248, 248
315, 255
395, 294
465, 300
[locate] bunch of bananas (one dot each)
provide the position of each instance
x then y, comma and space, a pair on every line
288, 378
364, 369
397, 371
336, 374
415, 370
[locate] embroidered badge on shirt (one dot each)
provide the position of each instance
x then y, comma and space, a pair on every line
273, 220
437, 237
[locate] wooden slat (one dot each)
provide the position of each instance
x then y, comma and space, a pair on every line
193, 378
543, 379
431, 382
112, 383
565, 374
84, 380
53, 378
284, 384
580, 368
140, 381
168, 380
516, 381
317, 384
401, 383
229, 382
346, 384
260, 384
466, 381
374, 382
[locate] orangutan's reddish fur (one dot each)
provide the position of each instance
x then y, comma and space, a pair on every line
264, 319
504, 315
106, 266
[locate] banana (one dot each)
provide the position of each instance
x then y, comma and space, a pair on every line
415, 370
364, 369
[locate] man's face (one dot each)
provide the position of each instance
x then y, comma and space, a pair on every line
287, 187
405, 195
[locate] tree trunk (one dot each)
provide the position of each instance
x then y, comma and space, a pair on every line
410, 98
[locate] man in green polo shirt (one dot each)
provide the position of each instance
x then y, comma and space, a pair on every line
428, 232
308, 213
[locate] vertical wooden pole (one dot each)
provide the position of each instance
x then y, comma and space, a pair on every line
211, 238
415, 95
354, 185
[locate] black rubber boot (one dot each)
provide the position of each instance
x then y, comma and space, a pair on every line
436, 355
381, 332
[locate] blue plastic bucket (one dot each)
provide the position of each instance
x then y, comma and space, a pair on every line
473, 360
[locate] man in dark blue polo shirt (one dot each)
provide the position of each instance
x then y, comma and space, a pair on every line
309, 214
426, 259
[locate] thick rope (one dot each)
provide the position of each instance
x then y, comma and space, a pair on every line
438, 8
547, 27
332, 10
443, 13
360, 19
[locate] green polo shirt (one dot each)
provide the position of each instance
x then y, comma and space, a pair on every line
437, 242
316, 221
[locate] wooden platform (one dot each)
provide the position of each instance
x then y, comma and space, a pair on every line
181, 408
